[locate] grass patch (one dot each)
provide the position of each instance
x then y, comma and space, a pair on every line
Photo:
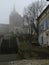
45, 50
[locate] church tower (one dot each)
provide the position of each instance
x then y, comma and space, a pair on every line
15, 21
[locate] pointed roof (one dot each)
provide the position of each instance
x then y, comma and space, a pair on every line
14, 13
43, 12
14, 8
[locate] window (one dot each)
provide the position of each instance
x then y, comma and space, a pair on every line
46, 24
41, 40
41, 28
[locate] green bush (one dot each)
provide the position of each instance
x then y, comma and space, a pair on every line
23, 45
33, 54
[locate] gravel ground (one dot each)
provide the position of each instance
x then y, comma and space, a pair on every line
8, 60
26, 62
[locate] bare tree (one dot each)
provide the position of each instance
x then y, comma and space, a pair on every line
36, 8
32, 11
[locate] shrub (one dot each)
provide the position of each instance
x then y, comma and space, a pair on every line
33, 54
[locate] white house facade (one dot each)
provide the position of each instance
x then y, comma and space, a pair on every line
43, 25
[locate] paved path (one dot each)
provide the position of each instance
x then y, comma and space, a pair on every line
26, 62
8, 57
8, 60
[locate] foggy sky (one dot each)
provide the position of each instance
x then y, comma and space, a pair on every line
6, 6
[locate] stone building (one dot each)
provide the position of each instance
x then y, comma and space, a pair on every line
4, 29
43, 26
15, 22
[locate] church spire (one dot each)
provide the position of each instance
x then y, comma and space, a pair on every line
14, 8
